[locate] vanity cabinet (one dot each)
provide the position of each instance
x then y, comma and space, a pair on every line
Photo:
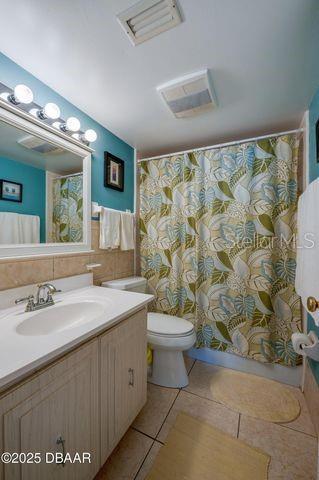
56, 410
82, 403
123, 379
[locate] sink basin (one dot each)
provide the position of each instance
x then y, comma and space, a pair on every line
59, 318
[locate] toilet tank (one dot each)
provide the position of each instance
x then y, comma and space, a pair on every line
132, 284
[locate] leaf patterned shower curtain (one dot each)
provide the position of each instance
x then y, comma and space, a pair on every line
67, 225
217, 244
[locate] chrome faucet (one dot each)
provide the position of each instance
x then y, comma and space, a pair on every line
40, 302
30, 305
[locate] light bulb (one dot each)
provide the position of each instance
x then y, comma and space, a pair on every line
5, 96
50, 110
34, 112
21, 94
90, 135
73, 124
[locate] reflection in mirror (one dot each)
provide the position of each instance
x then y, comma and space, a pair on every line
41, 190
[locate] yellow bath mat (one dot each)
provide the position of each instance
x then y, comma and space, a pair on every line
255, 396
194, 450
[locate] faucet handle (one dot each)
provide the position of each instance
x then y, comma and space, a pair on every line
30, 304
49, 296
25, 299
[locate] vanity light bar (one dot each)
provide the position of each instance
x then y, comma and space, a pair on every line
22, 95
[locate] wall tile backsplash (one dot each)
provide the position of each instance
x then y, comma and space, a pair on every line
114, 264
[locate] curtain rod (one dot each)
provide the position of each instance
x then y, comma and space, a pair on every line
219, 145
71, 175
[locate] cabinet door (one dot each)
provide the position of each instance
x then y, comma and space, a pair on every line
123, 379
65, 408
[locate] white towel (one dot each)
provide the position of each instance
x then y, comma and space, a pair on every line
29, 228
307, 271
127, 231
109, 228
16, 229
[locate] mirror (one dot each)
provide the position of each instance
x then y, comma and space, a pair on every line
41, 190
45, 188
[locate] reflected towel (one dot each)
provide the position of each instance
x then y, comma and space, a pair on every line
16, 228
127, 231
109, 228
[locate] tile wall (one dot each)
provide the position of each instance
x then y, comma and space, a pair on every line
114, 264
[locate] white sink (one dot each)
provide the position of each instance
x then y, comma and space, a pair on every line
29, 340
60, 317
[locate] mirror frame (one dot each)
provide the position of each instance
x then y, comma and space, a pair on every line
25, 121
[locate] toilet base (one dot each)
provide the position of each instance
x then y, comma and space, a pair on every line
168, 369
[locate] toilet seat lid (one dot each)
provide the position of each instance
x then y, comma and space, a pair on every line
162, 324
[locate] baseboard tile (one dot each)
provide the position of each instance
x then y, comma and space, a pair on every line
280, 373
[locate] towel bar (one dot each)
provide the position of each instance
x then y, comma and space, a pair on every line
96, 209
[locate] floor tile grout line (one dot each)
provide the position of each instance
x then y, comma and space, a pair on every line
205, 398
293, 429
143, 433
188, 373
169, 411
147, 454
160, 441
239, 417
278, 424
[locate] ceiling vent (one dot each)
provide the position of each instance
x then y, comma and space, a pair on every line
149, 18
38, 145
189, 95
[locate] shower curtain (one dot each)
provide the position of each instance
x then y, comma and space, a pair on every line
218, 244
67, 225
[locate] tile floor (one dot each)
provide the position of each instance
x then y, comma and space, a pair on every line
292, 446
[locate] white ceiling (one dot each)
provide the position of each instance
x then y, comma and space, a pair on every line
263, 56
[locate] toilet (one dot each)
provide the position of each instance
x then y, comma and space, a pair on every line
167, 335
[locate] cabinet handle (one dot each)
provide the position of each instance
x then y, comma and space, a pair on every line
131, 380
60, 441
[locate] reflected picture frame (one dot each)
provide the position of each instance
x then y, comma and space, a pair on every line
11, 191
113, 172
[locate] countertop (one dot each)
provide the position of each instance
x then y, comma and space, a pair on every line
22, 355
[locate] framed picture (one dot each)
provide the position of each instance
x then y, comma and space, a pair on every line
113, 172
11, 191
317, 139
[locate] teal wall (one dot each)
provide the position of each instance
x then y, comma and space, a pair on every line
313, 174
33, 197
11, 74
